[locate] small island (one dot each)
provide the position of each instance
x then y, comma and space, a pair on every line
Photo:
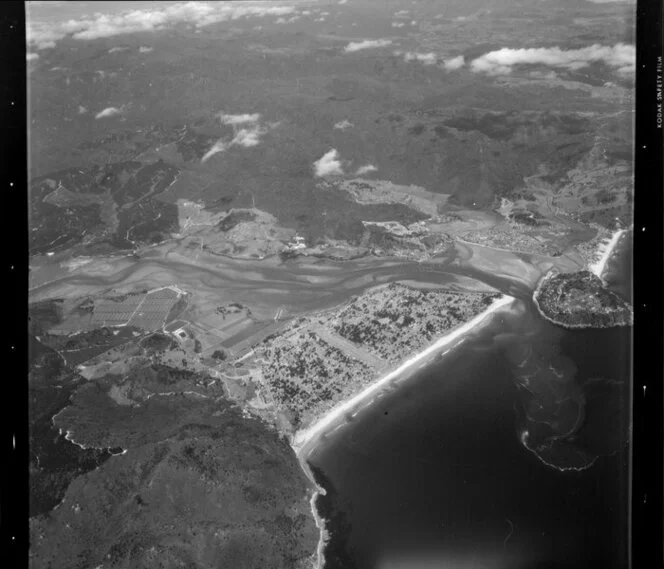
580, 300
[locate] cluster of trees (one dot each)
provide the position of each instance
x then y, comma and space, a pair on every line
295, 377
158, 342
99, 337
581, 300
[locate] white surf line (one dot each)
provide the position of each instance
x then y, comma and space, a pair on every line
304, 436
323, 533
339, 426
69, 436
605, 250
319, 428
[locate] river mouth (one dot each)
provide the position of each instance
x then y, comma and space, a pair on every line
303, 284
446, 467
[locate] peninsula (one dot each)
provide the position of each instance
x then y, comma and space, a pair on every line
320, 360
580, 300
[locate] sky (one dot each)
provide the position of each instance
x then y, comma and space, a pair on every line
49, 22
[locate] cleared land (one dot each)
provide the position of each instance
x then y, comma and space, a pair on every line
393, 321
326, 357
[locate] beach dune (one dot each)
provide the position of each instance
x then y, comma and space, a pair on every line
604, 251
304, 439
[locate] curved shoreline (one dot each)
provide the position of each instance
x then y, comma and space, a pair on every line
305, 440
605, 250
304, 437
598, 268
563, 324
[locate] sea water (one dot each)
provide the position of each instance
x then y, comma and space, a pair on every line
509, 452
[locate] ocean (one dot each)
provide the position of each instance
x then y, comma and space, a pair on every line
509, 452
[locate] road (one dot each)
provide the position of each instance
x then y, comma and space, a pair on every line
348, 348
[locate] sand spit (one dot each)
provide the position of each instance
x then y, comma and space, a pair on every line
305, 440
303, 437
605, 250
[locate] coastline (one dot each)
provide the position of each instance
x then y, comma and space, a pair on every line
541, 312
305, 439
605, 250
320, 524
553, 321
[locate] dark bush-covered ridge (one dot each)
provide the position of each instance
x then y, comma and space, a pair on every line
580, 300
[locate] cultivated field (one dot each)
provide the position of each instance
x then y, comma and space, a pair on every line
147, 311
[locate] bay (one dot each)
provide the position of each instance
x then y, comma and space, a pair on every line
511, 451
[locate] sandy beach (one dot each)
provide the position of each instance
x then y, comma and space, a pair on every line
605, 250
303, 437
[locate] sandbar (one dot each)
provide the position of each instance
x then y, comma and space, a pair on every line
304, 437
605, 250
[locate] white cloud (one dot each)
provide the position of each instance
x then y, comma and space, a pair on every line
31, 56
413, 22
219, 146
235, 120
627, 69
52, 3
454, 63
247, 136
398, 24
116, 49
366, 44
328, 165
44, 34
342, 1
501, 62
82, 110
108, 112
366, 169
282, 20
319, 20
41, 35
543, 75
145, 49
426, 58
343, 125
